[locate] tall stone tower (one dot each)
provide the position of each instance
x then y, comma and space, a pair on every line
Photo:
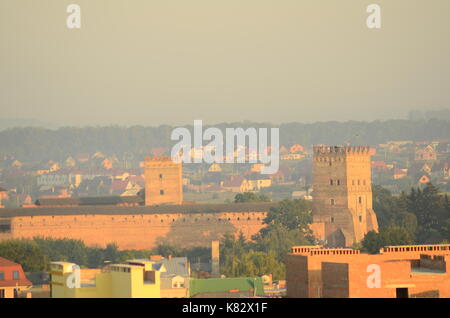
342, 201
163, 181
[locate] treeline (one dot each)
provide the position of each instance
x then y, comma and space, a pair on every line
36, 254
287, 225
40, 144
420, 217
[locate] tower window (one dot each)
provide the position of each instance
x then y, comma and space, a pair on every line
160, 176
360, 219
360, 200
338, 182
332, 201
331, 181
332, 219
161, 192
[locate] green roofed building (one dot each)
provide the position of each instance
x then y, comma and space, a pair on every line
226, 287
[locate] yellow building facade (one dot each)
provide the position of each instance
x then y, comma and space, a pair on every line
137, 280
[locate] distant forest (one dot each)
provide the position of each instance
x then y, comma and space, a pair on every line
34, 144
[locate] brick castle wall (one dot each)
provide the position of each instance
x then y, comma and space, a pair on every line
138, 231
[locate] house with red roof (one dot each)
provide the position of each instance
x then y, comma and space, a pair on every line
424, 179
237, 184
12, 279
379, 166
400, 173
3, 195
426, 154
297, 148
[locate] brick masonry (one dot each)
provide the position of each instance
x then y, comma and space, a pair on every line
342, 200
138, 231
424, 271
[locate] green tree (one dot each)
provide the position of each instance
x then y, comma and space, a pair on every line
239, 259
250, 197
393, 235
292, 214
25, 252
279, 240
431, 211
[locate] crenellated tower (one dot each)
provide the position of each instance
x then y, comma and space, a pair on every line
342, 200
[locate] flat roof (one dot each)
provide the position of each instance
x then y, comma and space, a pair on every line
127, 210
425, 271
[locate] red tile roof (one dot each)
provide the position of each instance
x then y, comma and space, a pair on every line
234, 181
7, 266
6, 262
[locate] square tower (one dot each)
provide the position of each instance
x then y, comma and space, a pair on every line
342, 201
163, 181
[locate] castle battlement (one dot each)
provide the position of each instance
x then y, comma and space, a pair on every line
304, 249
318, 250
158, 158
330, 150
415, 248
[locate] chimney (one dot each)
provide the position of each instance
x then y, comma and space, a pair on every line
215, 259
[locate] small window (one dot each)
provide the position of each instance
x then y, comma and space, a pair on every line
364, 182
2, 293
332, 219
331, 181
360, 200
160, 175
353, 182
332, 201
360, 219
2, 276
5, 228
15, 275
358, 182
161, 192
338, 182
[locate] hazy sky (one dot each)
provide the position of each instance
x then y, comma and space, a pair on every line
157, 62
